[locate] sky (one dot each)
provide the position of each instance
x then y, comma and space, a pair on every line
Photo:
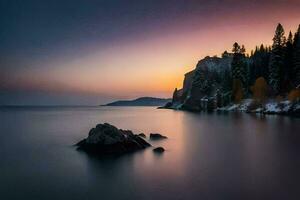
90, 52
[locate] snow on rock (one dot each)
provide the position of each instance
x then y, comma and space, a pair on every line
297, 107
245, 105
233, 107
272, 107
258, 110
286, 106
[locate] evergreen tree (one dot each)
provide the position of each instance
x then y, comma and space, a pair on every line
265, 62
259, 63
287, 71
225, 54
277, 59
236, 48
296, 60
227, 81
239, 66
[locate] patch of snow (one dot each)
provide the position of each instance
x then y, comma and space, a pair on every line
272, 108
286, 106
233, 107
245, 104
297, 107
258, 110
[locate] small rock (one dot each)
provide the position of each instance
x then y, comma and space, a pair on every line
159, 150
142, 135
157, 136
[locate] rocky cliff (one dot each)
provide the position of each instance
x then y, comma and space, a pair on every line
202, 86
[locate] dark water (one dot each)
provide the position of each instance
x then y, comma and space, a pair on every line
208, 156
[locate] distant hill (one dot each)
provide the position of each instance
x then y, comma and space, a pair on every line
143, 101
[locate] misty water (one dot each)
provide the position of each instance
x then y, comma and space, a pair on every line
208, 156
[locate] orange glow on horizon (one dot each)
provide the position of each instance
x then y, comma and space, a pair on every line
154, 64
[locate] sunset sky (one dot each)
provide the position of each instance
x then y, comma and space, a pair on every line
94, 51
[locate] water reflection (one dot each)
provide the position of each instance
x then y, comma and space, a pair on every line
208, 155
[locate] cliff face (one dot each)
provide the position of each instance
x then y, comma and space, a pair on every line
188, 82
204, 83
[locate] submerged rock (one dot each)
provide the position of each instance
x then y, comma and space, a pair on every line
157, 136
159, 150
108, 139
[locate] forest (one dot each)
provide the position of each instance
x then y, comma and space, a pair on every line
268, 73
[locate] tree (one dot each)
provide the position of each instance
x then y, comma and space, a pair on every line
294, 95
277, 59
287, 71
239, 65
243, 50
237, 91
259, 90
225, 54
227, 81
296, 58
259, 63
236, 48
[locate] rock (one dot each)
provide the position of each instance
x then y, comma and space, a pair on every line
157, 136
204, 82
159, 150
142, 135
107, 139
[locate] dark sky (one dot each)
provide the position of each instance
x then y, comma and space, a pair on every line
88, 51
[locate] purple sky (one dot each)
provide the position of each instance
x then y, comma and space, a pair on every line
91, 52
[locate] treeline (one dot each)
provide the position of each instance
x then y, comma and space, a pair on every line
269, 71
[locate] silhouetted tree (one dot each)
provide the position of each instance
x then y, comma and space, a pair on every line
287, 71
239, 65
227, 81
296, 58
277, 59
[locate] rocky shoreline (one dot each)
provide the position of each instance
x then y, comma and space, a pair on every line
272, 107
210, 87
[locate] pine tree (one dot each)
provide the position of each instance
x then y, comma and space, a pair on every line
236, 48
287, 71
225, 54
277, 59
227, 81
237, 91
239, 68
296, 60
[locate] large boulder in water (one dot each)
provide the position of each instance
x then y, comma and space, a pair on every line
108, 139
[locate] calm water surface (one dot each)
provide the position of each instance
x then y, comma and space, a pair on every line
208, 156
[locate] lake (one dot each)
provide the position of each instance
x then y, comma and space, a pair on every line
208, 156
